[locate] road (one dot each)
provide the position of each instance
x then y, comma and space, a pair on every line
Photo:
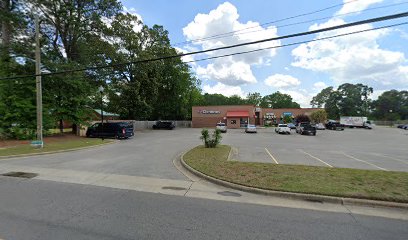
36, 209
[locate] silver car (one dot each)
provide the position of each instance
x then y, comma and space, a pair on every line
222, 127
250, 128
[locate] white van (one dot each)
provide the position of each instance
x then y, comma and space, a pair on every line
222, 127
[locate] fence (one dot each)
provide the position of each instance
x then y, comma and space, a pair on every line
138, 125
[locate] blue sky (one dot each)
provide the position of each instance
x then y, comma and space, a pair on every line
376, 58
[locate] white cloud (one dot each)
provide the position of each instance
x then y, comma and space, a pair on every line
224, 19
282, 81
319, 85
354, 58
224, 90
230, 73
356, 6
300, 96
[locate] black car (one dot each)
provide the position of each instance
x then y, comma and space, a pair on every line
306, 128
111, 130
164, 125
335, 126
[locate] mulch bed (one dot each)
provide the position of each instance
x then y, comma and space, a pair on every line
50, 139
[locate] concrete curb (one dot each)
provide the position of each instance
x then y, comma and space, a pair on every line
298, 196
52, 152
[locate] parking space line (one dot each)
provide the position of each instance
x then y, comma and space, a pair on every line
271, 156
318, 159
396, 159
364, 162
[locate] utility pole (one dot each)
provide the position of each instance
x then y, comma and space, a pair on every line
38, 82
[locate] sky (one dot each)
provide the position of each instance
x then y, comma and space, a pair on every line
376, 58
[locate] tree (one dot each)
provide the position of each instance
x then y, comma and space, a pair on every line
287, 119
319, 116
391, 105
278, 100
302, 118
321, 98
254, 98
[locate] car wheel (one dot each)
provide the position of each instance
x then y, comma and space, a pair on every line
314, 134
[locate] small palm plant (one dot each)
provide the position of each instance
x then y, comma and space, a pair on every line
213, 140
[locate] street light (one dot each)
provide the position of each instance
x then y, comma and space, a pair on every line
101, 91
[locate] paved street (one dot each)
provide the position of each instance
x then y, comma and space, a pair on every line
136, 189
45, 210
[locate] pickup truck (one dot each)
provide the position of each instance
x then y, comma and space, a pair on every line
282, 128
305, 128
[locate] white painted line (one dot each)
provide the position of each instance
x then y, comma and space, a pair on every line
372, 164
318, 159
271, 156
393, 158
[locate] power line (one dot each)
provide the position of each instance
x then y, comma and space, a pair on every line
372, 20
293, 24
268, 23
297, 43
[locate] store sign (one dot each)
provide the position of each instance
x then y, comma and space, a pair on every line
257, 109
208, 112
287, 114
270, 114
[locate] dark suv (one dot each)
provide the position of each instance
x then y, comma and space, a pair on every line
111, 130
305, 128
332, 125
164, 125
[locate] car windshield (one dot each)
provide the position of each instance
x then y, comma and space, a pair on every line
251, 126
221, 124
283, 125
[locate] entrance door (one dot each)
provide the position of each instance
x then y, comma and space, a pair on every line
257, 119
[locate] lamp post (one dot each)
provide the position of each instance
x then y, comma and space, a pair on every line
101, 91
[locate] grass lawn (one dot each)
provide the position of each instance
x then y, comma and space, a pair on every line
66, 144
340, 182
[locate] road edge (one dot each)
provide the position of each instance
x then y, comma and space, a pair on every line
53, 152
291, 195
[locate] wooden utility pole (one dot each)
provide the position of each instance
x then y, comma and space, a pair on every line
38, 82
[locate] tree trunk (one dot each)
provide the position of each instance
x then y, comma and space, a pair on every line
5, 25
61, 126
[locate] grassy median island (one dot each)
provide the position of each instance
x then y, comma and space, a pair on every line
63, 144
340, 182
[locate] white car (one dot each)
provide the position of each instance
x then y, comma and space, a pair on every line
250, 129
222, 127
282, 128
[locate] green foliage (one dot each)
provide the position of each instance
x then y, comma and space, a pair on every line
254, 98
302, 118
319, 116
347, 100
211, 141
391, 105
287, 119
278, 100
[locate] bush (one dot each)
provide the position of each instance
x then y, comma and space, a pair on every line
302, 118
211, 141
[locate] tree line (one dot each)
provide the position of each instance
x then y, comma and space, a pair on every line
353, 100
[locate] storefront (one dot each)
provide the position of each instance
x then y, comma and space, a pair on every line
238, 116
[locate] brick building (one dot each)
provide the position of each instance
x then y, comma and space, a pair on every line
237, 116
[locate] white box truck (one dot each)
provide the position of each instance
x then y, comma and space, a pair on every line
360, 122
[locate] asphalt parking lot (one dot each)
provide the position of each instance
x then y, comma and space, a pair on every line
382, 148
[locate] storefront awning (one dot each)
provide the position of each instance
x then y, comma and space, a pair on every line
238, 114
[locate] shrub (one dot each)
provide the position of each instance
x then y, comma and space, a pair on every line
302, 118
211, 141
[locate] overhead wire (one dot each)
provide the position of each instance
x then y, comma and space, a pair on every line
298, 23
371, 20
297, 43
275, 21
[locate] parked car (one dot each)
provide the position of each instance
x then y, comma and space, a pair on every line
305, 128
291, 126
282, 128
222, 127
333, 125
405, 127
250, 128
164, 125
111, 130
320, 126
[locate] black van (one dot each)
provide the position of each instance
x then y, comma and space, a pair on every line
111, 129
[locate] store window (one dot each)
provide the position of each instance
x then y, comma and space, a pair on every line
243, 122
